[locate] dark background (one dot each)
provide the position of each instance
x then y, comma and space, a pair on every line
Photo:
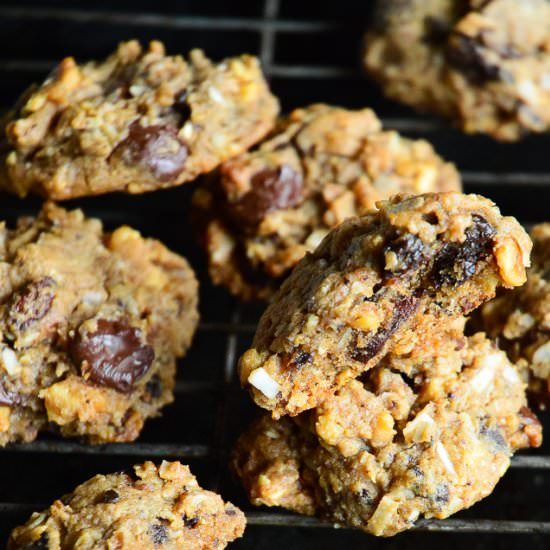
311, 53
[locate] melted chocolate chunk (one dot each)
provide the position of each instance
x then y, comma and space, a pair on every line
403, 308
272, 189
31, 303
8, 398
114, 355
109, 497
457, 262
190, 523
408, 250
158, 533
436, 30
156, 147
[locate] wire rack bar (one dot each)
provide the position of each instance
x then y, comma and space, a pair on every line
172, 21
113, 449
445, 526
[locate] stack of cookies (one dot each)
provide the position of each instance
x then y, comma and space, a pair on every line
382, 408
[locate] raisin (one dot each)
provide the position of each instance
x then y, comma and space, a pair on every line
158, 533
408, 250
496, 438
40, 544
403, 309
467, 55
114, 355
302, 358
109, 497
181, 105
230, 512
365, 497
157, 147
436, 30
442, 494
271, 189
457, 262
190, 523
8, 398
154, 387
31, 303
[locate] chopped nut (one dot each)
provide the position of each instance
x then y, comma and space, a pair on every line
260, 379
510, 262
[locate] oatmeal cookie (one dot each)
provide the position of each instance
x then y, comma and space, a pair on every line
377, 284
387, 448
484, 64
263, 211
136, 122
91, 324
154, 507
520, 319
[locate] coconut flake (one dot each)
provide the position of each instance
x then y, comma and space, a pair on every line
542, 355
511, 374
9, 359
263, 382
486, 374
444, 456
215, 95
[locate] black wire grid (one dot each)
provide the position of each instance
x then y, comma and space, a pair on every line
310, 52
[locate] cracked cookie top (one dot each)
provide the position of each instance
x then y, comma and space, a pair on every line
388, 448
377, 284
485, 64
136, 122
150, 507
261, 212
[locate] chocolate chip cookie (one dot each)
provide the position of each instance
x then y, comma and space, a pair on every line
136, 122
377, 284
91, 324
261, 212
520, 319
484, 64
147, 508
389, 447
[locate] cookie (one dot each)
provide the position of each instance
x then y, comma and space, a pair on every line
138, 121
154, 507
91, 324
261, 212
482, 64
519, 319
387, 449
377, 284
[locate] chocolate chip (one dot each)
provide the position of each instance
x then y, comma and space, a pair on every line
408, 250
113, 355
271, 189
302, 358
190, 523
457, 262
158, 533
40, 544
154, 387
403, 308
109, 497
157, 147
31, 303
8, 398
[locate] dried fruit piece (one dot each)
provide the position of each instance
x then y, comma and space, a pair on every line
114, 355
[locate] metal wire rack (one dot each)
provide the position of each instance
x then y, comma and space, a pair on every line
308, 57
